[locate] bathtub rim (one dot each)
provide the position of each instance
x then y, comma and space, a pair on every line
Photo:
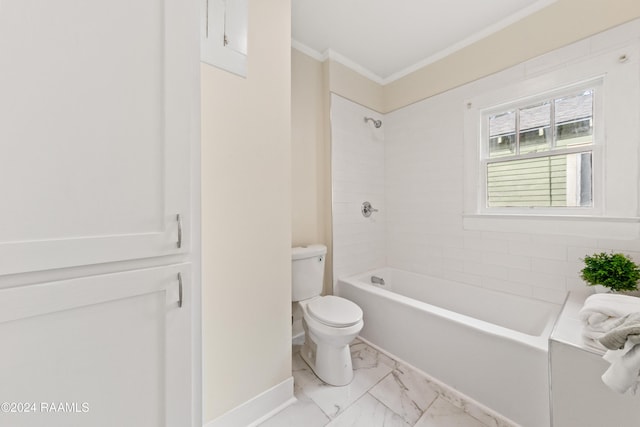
538, 342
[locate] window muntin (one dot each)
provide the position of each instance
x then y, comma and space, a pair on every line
540, 154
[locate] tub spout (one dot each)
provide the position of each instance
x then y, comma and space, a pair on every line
378, 280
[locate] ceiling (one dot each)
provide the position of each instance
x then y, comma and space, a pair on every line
387, 39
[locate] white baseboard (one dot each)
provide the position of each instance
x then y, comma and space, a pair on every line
256, 410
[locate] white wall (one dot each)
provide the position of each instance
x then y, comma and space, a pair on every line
425, 170
358, 176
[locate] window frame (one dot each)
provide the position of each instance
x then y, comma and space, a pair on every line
596, 148
617, 62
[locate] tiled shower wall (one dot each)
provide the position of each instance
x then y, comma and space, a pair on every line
415, 175
357, 176
424, 146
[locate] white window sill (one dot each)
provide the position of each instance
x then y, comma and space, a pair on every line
584, 226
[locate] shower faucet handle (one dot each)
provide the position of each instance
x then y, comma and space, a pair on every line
367, 209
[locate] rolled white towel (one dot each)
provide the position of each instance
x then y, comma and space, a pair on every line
624, 373
599, 308
602, 313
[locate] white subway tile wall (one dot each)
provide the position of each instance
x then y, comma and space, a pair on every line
357, 171
412, 169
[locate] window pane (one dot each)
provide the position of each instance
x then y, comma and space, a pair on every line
535, 128
551, 181
502, 134
574, 120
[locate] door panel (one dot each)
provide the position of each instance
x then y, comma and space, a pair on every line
94, 129
100, 351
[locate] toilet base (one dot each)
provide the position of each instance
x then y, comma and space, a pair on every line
331, 364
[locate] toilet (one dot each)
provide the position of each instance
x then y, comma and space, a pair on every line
330, 323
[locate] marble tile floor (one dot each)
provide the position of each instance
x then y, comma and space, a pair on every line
382, 393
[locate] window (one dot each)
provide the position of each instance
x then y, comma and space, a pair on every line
539, 153
548, 117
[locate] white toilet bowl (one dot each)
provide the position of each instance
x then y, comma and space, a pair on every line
330, 323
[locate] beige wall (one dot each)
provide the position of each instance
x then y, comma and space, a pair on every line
311, 188
560, 24
307, 142
312, 82
246, 217
353, 86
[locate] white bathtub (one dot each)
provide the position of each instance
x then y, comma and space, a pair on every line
491, 346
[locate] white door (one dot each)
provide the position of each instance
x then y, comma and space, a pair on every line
108, 350
95, 109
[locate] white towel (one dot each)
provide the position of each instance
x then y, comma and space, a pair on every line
603, 312
628, 331
623, 376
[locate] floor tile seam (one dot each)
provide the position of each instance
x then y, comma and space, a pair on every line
312, 400
392, 411
379, 381
350, 405
329, 415
439, 394
420, 376
366, 391
463, 408
419, 409
321, 411
478, 420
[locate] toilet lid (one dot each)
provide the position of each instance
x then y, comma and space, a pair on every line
335, 311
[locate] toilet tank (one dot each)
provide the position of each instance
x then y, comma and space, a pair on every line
307, 271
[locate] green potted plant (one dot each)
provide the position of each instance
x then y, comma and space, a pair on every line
614, 271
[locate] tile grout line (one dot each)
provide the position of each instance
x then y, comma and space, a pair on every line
392, 411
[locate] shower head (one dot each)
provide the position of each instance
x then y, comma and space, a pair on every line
376, 123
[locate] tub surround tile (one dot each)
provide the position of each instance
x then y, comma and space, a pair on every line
550, 295
357, 169
368, 412
538, 250
406, 393
506, 260
538, 279
424, 183
507, 286
444, 414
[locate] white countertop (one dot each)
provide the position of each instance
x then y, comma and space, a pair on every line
568, 329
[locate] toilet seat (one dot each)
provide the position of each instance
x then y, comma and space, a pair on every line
334, 311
